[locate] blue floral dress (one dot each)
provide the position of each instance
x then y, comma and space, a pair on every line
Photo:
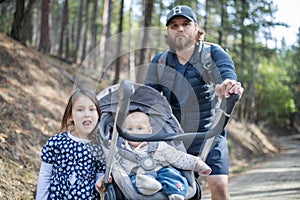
75, 165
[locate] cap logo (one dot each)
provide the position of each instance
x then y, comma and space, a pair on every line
177, 10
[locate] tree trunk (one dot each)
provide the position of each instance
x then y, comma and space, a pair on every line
67, 34
22, 23
105, 34
79, 29
27, 30
45, 45
132, 72
85, 31
221, 29
119, 45
252, 90
5, 12
55, 19
206, 16
94, 33
18, 20
94, 27
64, 23
145, 53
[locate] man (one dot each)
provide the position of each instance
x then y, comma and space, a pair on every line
192, 96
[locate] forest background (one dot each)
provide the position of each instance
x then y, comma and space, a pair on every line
105, 41
70, 30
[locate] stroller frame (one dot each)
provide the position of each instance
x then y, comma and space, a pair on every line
125, 90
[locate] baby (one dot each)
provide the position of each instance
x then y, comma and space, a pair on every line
168, 179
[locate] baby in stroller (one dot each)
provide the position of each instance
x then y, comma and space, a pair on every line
165, 158
121, 162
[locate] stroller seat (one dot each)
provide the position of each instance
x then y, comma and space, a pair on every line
150, 101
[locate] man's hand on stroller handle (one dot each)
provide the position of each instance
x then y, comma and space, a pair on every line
228, 87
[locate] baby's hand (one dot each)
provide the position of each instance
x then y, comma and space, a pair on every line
206, 172
203, 168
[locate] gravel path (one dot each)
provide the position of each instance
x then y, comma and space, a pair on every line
274, 179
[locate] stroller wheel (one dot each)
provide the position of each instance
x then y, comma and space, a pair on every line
197, 195
113, 193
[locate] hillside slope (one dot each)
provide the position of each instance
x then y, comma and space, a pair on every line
33, 94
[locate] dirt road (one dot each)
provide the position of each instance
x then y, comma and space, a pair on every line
274, 179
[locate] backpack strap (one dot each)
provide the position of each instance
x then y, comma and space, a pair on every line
203, 63
210, 67
162, 64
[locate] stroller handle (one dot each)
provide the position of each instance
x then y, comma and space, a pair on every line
223, 115
125, 92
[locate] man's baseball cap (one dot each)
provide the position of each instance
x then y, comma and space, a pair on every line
183, 11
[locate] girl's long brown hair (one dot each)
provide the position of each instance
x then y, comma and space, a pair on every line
66, 124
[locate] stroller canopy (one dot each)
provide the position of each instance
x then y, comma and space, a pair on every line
144, 99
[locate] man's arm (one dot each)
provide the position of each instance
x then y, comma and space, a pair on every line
223, 62
230, 84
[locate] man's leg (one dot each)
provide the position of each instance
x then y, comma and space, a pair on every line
218, 160
218, 185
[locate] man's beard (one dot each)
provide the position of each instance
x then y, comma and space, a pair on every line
179, 43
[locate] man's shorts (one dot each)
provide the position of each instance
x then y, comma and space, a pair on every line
217, 158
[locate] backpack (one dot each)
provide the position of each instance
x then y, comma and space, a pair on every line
205, 64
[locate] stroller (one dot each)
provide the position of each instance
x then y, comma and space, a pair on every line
116, 101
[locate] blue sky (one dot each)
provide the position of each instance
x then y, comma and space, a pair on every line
288, 12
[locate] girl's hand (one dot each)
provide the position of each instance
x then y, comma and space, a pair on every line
100, 186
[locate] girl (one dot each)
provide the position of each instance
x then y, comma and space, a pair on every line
72, 161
